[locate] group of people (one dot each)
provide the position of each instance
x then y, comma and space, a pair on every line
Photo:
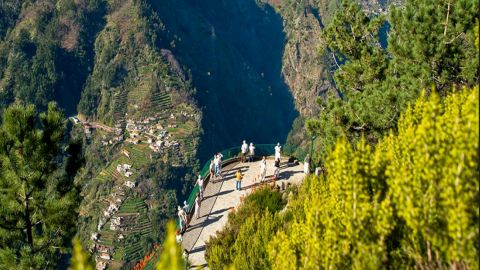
247, 154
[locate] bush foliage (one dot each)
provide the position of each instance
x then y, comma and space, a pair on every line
408, 203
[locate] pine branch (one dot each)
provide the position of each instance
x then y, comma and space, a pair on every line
6, 227
446, 21
46, 245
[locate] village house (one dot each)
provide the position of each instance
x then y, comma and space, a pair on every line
129, 184
115, 223
105, 256
101, 265
94, 236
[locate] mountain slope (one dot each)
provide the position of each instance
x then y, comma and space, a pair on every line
233, 50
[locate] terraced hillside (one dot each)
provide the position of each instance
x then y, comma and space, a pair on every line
138, 167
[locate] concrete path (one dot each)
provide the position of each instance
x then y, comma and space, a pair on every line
220, 196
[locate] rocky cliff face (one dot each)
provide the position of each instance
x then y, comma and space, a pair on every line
306, 68
306, 65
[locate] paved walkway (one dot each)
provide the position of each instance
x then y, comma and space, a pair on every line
220, 196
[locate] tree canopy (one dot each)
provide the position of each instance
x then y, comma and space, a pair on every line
430, 44
39, 200
408, 203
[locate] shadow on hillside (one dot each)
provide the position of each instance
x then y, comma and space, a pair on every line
234, 51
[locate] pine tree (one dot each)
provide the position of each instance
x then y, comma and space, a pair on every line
408, 203
37, 217
431, 43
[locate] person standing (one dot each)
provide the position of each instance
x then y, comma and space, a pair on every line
182, 217
263, 169
239, 178
244, 149
220, 156
198, 203
278, 148
216, 163
186, 208
251, 154
277, 168
212, 169
200, 185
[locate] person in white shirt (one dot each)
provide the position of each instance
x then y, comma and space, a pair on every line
186, 208
182, 218
278, 148
216, 164
244, 151
220, 156
212, 169
200, 185
198, 202
263, 169
251, 148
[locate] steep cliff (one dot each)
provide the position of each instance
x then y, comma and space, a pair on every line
234, 52
306, 65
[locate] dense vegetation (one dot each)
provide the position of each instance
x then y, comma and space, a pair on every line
102, 58
46, 50
401, 178
408, 203
39, 199
232, 245
398, 192
431, 44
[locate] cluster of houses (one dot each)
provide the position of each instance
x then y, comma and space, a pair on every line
125, 169
109, 141
103, 253
102, 256
150, 131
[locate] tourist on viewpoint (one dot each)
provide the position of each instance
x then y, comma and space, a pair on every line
212, 169
200, 185
251, 153
186, 208
198, 203
278, 148
220, 156
216, 164
277, 168
263, 169
239, 178
182, 217
244, 151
